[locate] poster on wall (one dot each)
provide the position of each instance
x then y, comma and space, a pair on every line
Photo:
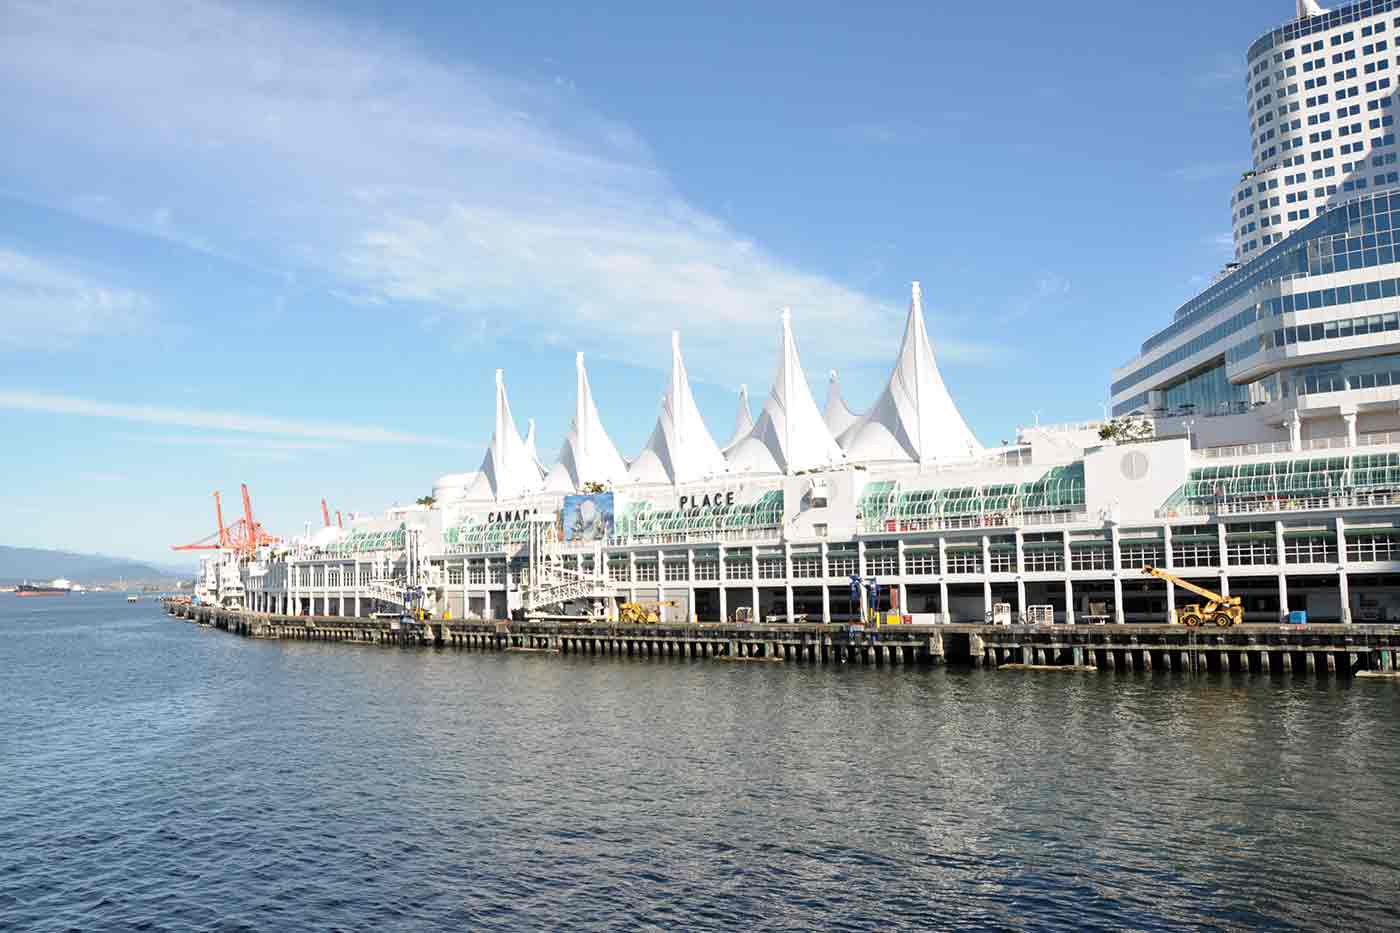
588, 518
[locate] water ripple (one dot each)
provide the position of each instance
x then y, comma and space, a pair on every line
160, 776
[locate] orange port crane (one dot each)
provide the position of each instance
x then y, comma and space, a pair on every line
244, 536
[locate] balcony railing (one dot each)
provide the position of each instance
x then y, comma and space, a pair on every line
897, 525
1282, 504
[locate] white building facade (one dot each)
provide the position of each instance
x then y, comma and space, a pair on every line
1321, 93
1270, 469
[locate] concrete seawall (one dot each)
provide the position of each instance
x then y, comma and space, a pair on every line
1315, 650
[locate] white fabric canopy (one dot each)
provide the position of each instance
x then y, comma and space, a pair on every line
743, 421
915, 419
790, 434
838, 416
588, 454
680, 449
509, 468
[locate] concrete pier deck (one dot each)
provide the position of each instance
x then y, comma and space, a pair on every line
1300, 650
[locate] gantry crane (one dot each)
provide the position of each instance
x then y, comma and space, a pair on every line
244, 536
1224, 611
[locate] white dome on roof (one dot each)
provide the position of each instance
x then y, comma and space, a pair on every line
325, 536
453, 486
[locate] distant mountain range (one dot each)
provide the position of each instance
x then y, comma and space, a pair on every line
18, 564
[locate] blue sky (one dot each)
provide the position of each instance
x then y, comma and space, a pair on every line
288, 244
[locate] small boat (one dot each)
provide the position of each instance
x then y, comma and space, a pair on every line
132, 598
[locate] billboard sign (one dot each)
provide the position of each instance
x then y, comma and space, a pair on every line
588, 517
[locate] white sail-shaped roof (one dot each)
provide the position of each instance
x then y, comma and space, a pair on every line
531, 446
680, 449
509, 468
1308, 8
838, 416
790, 434
588, 454
743, 422
915, 419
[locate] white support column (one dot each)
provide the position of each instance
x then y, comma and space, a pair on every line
943, 583
723, 601
860, 559
1069, 601
826, 589
691, 612
1283, 597
1343, 584
787, 578
1349, 418
986, 579
660, 580
1119, 616
1020, 575
754, 597
1224, 559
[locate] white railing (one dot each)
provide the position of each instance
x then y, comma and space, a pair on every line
1373, 439
706, 535
979, 520
1243, 450
1062, 428
1281, 504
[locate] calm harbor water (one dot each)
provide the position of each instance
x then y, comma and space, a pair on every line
155, 775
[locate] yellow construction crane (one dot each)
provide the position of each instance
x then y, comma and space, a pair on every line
1224, 611
634, 613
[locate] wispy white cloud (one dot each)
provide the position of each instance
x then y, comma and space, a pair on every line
102, 477
286, 140
1205, 171
212, 420
47, 304
1224, 243
240, 443
1218, 71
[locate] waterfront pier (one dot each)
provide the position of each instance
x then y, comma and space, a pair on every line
1297, 650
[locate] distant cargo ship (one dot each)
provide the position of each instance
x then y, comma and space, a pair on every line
57, 588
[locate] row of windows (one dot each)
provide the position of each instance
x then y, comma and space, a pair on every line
1365, 373
1358, 243
1329, 330
1330, 19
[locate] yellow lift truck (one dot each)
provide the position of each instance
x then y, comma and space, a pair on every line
1224, 611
